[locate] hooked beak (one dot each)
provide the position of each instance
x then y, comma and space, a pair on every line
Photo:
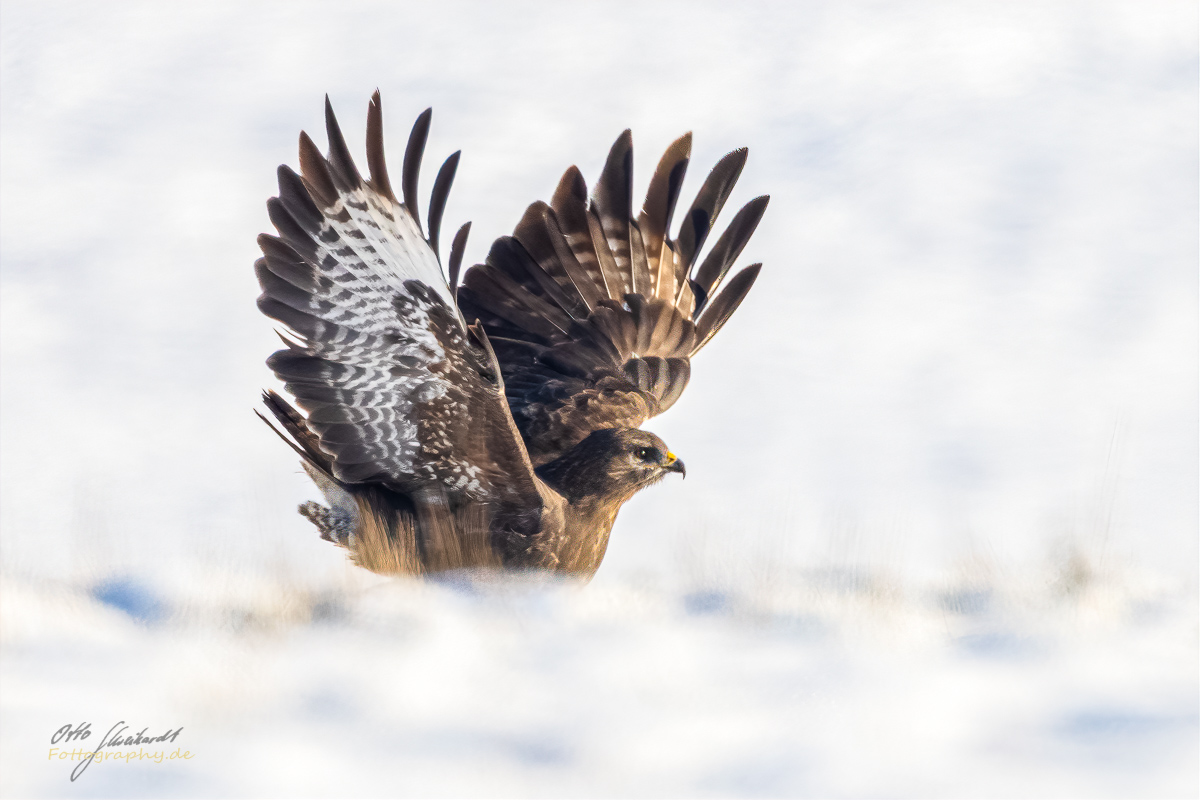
675, 465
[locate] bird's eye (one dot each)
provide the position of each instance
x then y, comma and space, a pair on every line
646, 454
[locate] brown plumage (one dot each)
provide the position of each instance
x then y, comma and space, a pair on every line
492, 423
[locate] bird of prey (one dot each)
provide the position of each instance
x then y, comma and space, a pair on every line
492, 422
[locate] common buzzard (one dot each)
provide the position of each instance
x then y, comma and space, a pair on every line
492, 422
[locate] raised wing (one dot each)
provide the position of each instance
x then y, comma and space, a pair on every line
595, 315
398, 391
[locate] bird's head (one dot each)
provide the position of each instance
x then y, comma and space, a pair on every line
614, 463
641, 458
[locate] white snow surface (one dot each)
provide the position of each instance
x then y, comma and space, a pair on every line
939, 532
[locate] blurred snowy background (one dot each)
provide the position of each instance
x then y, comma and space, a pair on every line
939, 535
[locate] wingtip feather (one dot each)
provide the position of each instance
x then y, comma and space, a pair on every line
456, 256
376, 162
340, 161
724, 304
413, 153
441, 193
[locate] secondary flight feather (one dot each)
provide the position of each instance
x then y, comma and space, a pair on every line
492, 423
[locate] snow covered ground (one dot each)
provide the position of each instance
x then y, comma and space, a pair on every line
821, 683
939, 534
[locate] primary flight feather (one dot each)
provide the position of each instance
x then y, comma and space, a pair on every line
493, 423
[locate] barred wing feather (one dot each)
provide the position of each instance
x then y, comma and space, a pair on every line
397, 388
595, 315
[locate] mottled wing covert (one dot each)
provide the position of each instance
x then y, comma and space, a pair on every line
396, 387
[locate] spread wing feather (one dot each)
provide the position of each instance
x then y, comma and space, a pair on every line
718, 261
441, 193
594, 315
397, 389
698, 221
